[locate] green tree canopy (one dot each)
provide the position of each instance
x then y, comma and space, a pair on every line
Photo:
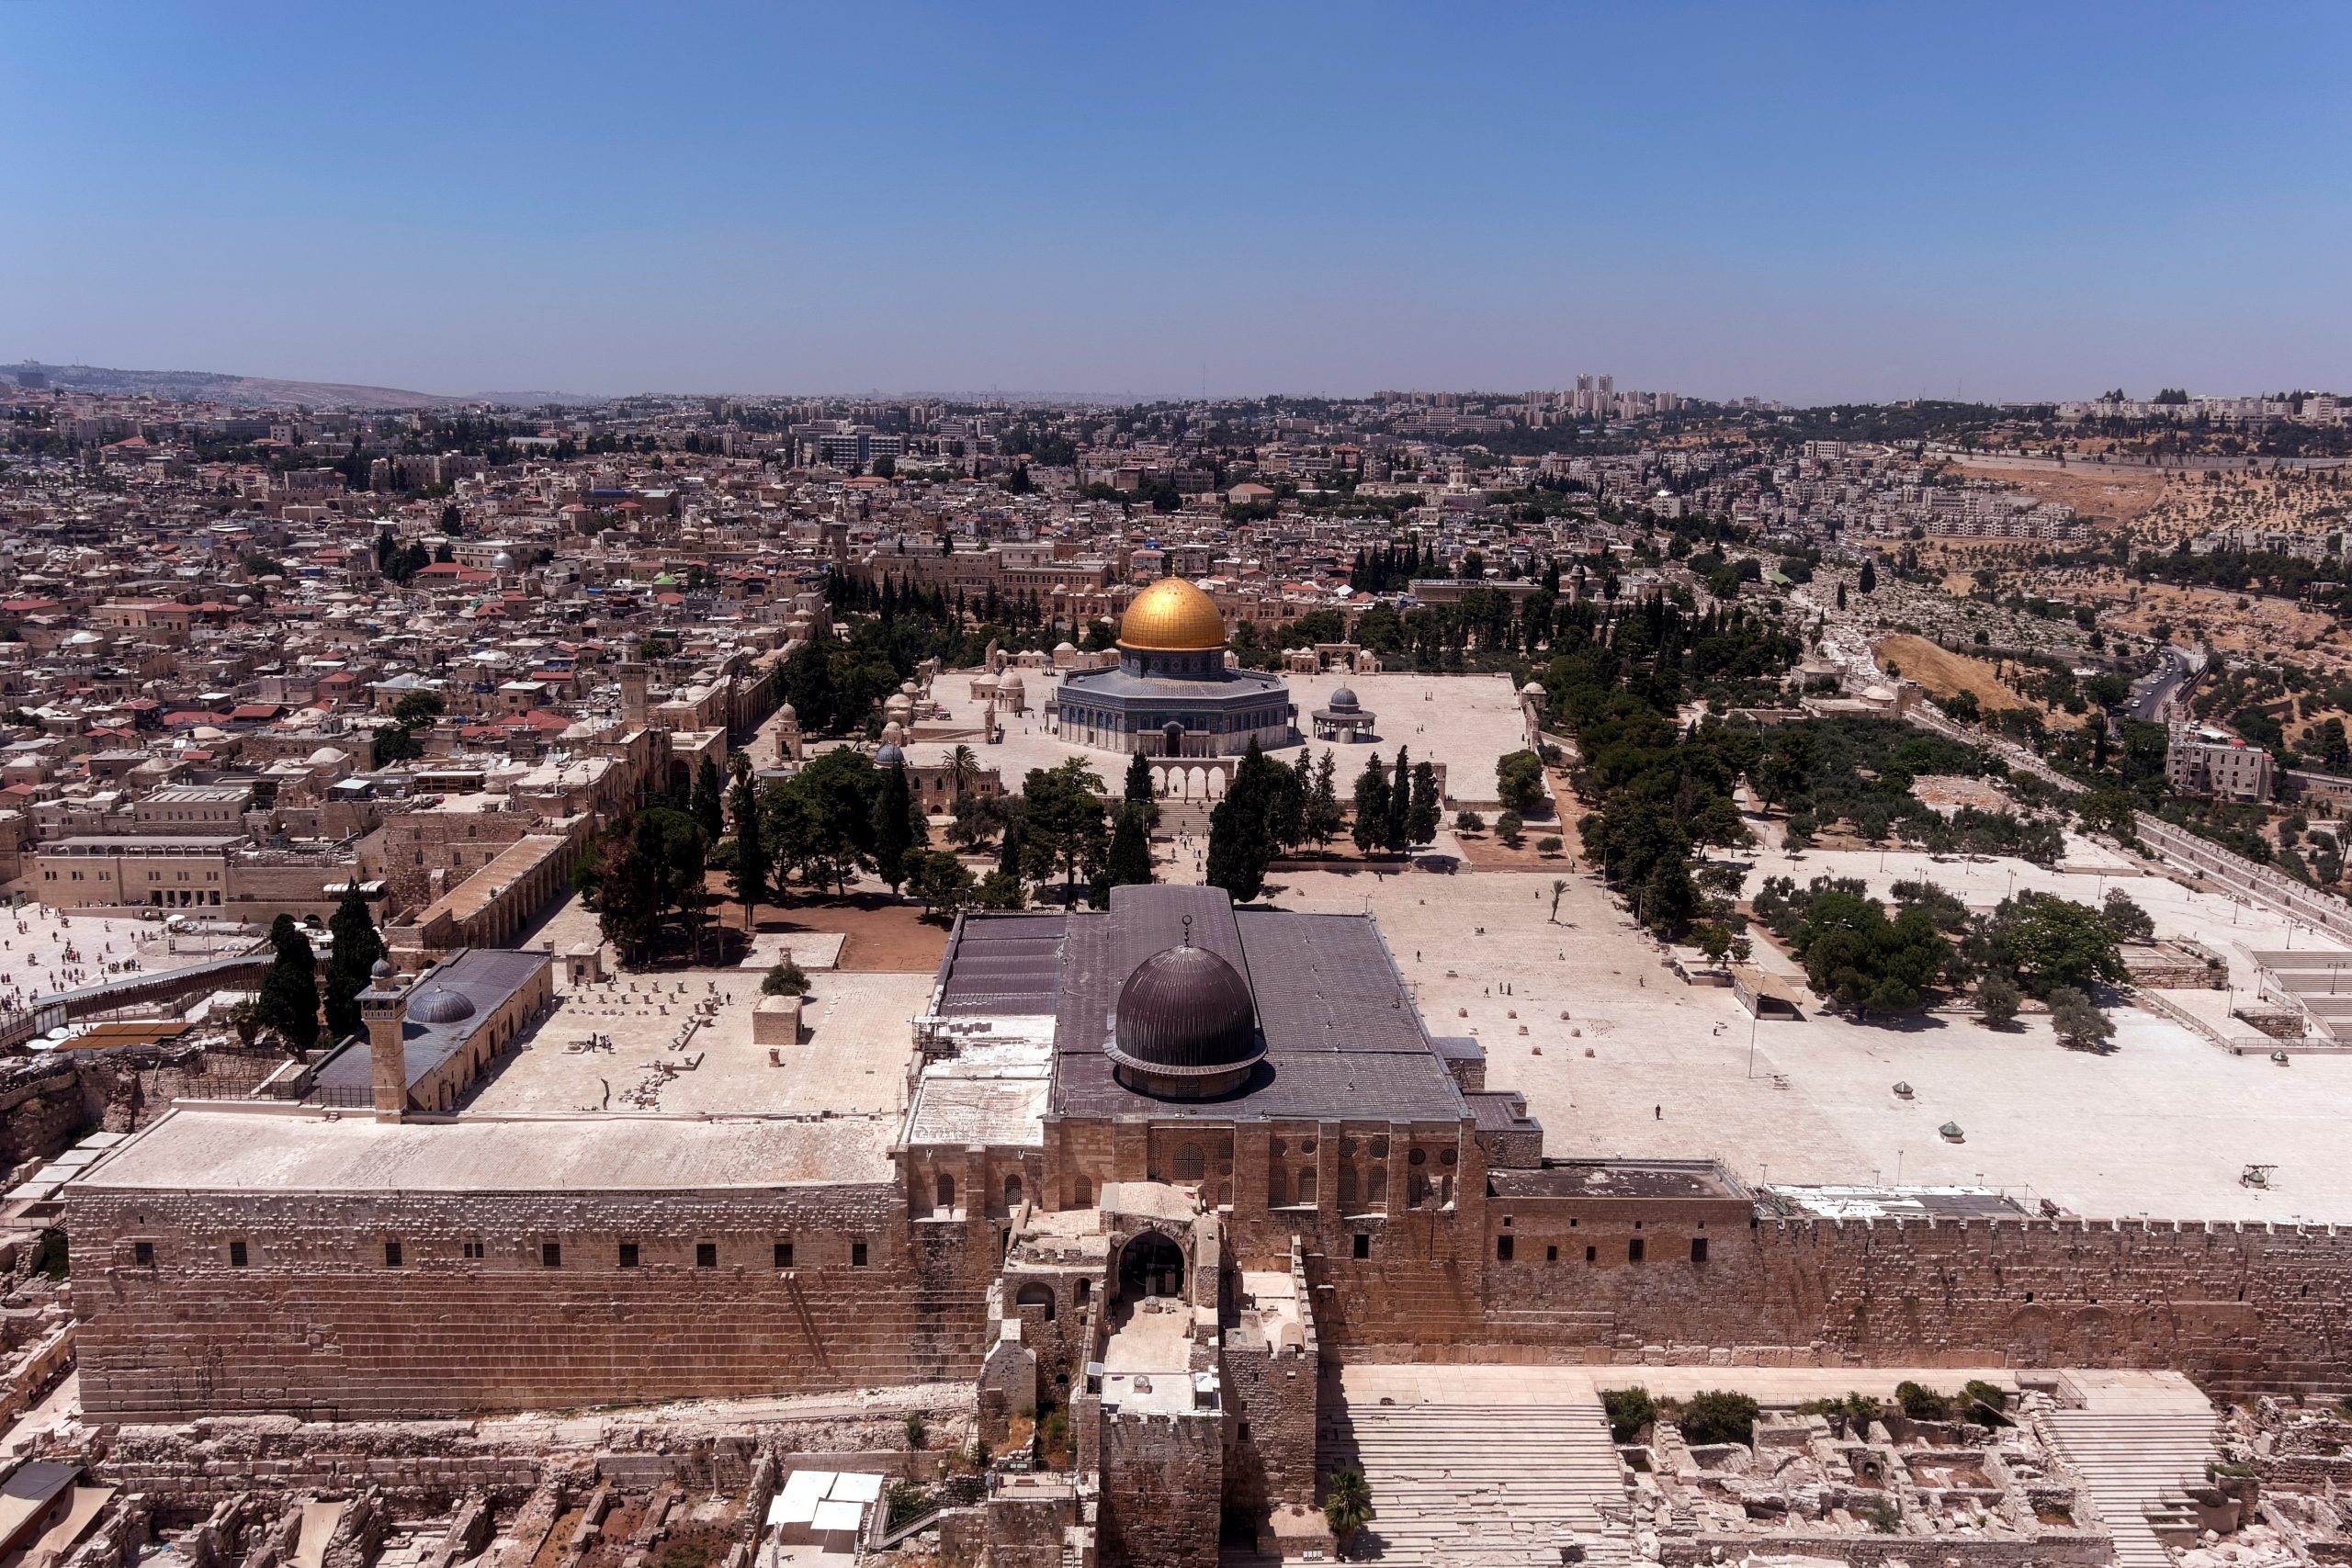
290, 987
350, 967
1853, 953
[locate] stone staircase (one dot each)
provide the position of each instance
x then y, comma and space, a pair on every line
2132, 1462
1482, 1485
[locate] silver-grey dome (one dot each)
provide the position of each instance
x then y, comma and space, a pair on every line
439, 1004
1186, 1026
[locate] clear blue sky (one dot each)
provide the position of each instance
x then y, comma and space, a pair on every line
1867, 201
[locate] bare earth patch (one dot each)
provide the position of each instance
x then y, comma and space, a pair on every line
1945, 673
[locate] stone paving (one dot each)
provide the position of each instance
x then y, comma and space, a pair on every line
1469, 723
857, 1038
44, 952
1644, 1065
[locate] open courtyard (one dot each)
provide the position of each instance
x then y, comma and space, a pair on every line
1618, 1056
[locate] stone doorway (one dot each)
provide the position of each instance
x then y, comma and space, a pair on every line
1150, 1264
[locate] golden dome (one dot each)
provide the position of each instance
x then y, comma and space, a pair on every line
1172, 616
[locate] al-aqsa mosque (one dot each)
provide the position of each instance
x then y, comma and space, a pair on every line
1173, 692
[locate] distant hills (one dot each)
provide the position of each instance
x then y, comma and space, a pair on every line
249, 391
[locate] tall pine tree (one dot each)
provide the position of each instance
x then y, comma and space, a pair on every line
1139, 791
1240, 843
1427, 809
1130, 858
1372, 805
705, 805
289, 988
1396, 826
895, 826
351, 967
750, 875
1324, 817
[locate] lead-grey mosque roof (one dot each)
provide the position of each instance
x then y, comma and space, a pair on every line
485, 976
1343, 1035
1001, 965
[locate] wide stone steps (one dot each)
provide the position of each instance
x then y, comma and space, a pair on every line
2133, 1463
1482, 1485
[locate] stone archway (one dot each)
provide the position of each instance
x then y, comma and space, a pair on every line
1150, 1264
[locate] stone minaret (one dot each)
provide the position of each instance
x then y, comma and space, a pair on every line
634, 678
384, 1006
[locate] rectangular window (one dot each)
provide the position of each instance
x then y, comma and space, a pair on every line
142, 1254
857, 1255
237, 1255
1550, 1255
550, 1255
1634, 1250
628, 1254
783, 1255
1502, 1248
1698, 1250
473, 1249
1593, 1255
1363, 1245
391, 1255
706, 1254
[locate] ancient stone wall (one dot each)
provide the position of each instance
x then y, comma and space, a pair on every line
474, 1313
1159, 1475
2240, 1308
410, 848
43, 1112
49, 1103
423, 1468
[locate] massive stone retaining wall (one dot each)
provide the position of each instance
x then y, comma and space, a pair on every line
2241, 1308
322, 1322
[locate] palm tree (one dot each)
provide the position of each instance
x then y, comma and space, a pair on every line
1346, 1503
1558, 887
963, 766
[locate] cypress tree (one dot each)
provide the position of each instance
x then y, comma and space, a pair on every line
289, 989
1372, 805
1426, 809
894, 832
351, 967
750, 875
1239, 844
1130, 859
1396, 825
705, 805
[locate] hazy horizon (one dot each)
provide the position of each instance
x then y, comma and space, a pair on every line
1816, 205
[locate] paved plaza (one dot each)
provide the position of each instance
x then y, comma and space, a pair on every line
1469, 723
680, 1043
1619, 1057
44, 952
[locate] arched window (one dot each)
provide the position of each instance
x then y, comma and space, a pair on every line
1013, 1192
1274, 1198
1347, 1187
1190, 1166
1416, 1189
1306, 1185
1037, 1293
1380, 1183
946, 1192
